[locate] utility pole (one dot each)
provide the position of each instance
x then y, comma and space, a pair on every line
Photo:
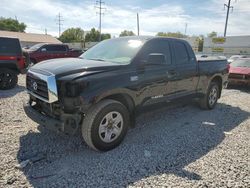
99, 4
45, 31
186, 28
138, 25
228, 8
59, 23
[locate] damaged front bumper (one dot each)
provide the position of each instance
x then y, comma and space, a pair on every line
66, 123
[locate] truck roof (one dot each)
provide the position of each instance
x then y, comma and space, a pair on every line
152, 37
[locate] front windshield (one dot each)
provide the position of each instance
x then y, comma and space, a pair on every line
35, 47
241, 63
120, 50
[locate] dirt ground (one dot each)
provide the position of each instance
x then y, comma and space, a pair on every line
180, 146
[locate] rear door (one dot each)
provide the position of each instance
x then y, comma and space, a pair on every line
186, 68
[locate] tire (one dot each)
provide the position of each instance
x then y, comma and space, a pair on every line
209, 101
99, 129
8, 79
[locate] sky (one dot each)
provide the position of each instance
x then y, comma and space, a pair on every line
201, 17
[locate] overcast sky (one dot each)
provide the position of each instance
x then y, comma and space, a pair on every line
201, 17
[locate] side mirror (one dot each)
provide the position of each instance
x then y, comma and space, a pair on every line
156, 59
43, 50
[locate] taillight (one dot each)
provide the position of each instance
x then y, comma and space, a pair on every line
7, 58
21, 62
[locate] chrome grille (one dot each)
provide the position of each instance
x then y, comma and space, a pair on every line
41, 89
42, 85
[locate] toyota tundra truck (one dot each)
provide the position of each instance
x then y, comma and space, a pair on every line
101, 92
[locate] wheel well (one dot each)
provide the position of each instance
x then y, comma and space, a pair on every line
125, 99
218, 80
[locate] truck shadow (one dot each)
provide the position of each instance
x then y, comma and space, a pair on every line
11, 92
164, 142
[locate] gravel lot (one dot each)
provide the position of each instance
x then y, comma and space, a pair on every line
175, 147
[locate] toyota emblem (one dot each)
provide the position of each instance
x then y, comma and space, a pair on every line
34, 85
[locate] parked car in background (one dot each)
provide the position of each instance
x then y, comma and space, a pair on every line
12, 62
239, 72
234, 57
102, 91
42, 51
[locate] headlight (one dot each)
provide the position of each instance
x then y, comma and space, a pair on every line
73, 89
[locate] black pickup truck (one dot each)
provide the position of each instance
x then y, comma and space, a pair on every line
101, 92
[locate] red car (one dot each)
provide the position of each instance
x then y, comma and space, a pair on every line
239, 72
41, 52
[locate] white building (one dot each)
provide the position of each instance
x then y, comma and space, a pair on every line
30, 39
228, 46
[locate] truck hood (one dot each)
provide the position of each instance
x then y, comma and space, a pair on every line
67, 66
239, 70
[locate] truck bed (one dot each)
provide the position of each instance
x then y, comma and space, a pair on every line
212, 65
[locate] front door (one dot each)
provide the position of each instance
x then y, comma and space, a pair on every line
156, 81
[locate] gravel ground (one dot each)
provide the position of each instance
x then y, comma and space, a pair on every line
173, 147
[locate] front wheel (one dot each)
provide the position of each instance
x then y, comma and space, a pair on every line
210, 99
8, 79
105, 125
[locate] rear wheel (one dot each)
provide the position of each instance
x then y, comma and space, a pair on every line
8, 79
210, 99
105, 125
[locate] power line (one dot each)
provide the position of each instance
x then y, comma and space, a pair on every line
228, 5
99, 4
59, 23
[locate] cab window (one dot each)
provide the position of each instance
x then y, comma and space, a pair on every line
181, 53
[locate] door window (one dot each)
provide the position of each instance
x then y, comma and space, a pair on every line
156, 46
55, 48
